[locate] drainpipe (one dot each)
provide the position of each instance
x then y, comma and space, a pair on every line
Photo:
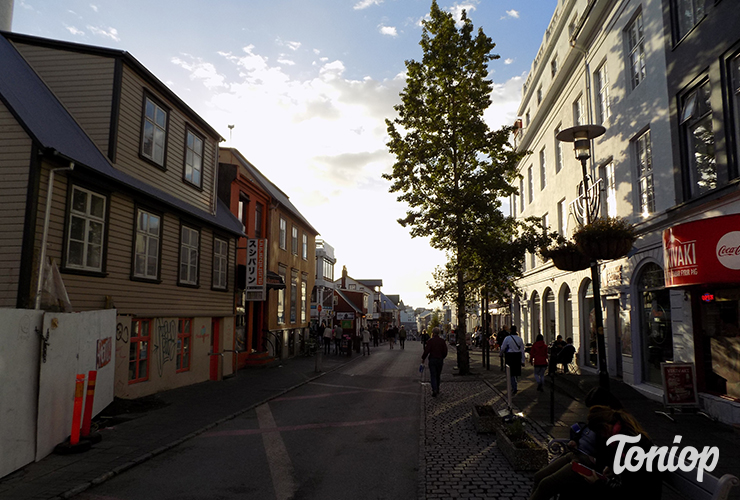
44, 238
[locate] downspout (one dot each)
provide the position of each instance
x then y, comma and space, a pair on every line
44, 238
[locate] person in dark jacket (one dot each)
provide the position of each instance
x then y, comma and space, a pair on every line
538, 355
436, 350
565, 356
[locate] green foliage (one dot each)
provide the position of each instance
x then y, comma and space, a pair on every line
451, 170
606, 227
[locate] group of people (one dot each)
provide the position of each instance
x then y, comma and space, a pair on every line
512, 352
392, 333
333, 336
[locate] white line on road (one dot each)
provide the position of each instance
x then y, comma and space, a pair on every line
281, 468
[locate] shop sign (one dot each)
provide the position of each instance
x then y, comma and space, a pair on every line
679, 384
703, 251
345, 315
256, 269
612, 276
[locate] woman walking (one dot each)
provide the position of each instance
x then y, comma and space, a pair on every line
538, 354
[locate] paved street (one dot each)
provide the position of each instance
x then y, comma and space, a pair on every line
361, 428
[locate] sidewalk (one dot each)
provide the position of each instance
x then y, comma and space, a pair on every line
140, 435
695, 430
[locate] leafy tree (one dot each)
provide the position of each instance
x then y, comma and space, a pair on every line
451, 170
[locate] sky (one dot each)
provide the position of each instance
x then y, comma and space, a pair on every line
307, 86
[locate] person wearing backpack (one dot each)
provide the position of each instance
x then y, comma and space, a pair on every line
513, 348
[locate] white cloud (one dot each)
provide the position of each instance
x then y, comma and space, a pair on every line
75, 31
111, 33
505, 98
456, 10
94, 7
388, 30
513, 13
364, 4
200, 70
291, 45
286, 62
508, 60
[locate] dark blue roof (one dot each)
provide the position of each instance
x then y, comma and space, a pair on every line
49, 123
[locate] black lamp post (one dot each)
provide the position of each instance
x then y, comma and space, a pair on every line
581, 137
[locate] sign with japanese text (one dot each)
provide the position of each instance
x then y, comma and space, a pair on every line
702, 252
256, 288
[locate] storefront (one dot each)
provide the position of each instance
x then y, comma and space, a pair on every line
703, 259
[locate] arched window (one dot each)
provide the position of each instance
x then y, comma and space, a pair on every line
566, 312
549, 316
534, 318
655, 322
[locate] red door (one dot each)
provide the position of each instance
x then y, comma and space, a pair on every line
216, 359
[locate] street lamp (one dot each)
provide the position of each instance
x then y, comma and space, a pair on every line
581, 137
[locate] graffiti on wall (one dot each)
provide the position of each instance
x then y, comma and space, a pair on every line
122, 333
165, 342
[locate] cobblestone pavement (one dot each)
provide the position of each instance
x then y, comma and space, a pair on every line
456, 461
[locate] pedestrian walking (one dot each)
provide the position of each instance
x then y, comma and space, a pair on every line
365, 341
565, 357
376, 336
424, 339
326, 333
500, 336
402, 337
390, 334
513, 348
436, 350
555, 348
338, 334
538, 355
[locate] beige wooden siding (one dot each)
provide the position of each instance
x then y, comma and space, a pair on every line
134, 297
15, 157
82, 82
129, 142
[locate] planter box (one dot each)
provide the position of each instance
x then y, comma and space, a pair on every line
521, 458
485, 419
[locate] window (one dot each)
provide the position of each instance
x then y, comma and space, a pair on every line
562, 218
578, 112
527, 118
687, 14
514, 202
86, 230
558, 151
220, 264
545, 222
328, 270
154, 133
281, 298
189, 250
304, 298
258, 220
294, 240
644, 156
243, 213
553, 67
184, 333
530, 178
698, 134
603, 108
193, 159
521, 195
146, 249
138, 351
293, 295
539, 94
636, 45
304, 251
543, 173
611, 190
735, 96
283, 234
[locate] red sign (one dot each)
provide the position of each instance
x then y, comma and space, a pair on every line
105, 352
703, 251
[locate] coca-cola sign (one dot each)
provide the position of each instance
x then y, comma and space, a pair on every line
702, 252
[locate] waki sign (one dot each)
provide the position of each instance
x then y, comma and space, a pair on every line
702, 252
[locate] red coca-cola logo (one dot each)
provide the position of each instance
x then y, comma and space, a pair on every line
728, 250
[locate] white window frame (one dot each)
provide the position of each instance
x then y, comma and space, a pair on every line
283, 234
603, 106
294, 240
636, 47
281, 297
91, 218
644, 160
194, 147
189, 251
220, 263
304, 250
558, 151
530, 180
562, 218
154, 130
578, 118
543, 169
150, 236
611, 189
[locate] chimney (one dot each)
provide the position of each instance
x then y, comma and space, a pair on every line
344, 277
6, 15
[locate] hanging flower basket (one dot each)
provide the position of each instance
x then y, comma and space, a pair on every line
606, 238
567, 257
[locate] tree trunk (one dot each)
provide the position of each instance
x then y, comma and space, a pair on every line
463, 356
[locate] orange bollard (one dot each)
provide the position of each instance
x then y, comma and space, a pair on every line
87, 416
74, 437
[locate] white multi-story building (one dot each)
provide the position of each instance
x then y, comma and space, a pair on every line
601, 62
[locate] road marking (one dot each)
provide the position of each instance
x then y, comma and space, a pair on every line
264, 429
408, 393
281, 468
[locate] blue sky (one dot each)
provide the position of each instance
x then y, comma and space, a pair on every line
307, 85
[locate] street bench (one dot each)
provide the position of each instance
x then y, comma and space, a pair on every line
683, 483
